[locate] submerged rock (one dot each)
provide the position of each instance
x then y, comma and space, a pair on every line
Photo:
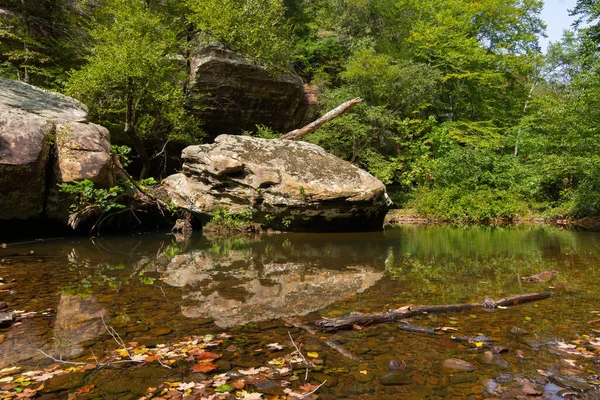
287, 185
456, 364
395, 378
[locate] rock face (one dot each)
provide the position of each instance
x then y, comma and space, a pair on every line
45, 139
230, 94
287, 185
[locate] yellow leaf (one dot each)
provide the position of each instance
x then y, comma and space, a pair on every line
479, 344
364, 372
313, 354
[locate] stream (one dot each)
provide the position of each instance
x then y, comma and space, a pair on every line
252, 293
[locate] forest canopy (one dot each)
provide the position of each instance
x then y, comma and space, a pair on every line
464, 116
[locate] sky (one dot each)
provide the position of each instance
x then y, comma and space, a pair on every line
556, 16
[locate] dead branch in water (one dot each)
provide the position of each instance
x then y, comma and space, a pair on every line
313, 126
349, 321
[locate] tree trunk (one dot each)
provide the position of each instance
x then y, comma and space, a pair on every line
349, 321
313, 126
135, 140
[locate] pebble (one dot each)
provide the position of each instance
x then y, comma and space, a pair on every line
489, 358
362, 377
518, 331
395, 378
457, 364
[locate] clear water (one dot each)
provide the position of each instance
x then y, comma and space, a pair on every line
152, 290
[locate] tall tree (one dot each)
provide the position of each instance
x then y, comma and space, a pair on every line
132, 79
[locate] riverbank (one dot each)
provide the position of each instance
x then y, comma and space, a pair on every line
399, 217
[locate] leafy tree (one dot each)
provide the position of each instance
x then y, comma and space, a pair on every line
39, 41
132, 79
255, 28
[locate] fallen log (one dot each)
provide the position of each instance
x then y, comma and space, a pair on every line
349, 321
313, 126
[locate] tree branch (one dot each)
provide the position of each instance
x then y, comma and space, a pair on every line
348, 322
313, 126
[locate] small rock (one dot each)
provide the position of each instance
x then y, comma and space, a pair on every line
223, 365
499, 349
489, 358
395, 378
330, 380
397, 365
362, 377
530, 340
6, 319
518, 331
571, 382
160, 331
269, 387
458, 365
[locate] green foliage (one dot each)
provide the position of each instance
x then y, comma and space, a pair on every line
225, 221
457, 205
263, 132
132, 78
39, 41
84, 194
255, 28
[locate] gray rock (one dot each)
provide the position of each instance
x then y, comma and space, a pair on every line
32, 121
230, 93
287, 185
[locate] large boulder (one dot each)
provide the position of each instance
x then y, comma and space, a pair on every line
295, 186
230, 93
45, 139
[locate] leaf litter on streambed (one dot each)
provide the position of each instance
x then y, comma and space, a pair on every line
197, 352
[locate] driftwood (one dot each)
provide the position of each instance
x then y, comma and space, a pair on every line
349, 321
313, 126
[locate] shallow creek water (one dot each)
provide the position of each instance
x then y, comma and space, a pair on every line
153, 290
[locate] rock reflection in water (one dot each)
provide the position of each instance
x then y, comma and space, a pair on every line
261, 282
77, 320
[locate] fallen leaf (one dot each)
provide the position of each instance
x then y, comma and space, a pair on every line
274, 346
207, 355
185, 386
239, 384
85, 389
249, 396
307, 387
364, 372
449, 329
252, 371
204, 367
357, 327
312, 354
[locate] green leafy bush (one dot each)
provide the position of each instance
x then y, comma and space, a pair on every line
84, 194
